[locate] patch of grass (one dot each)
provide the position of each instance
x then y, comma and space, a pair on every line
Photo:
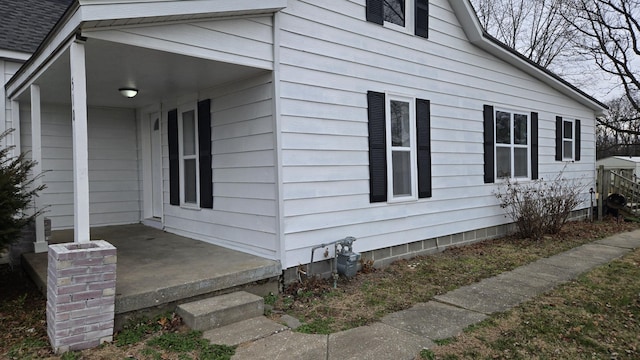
594, 317
135, 331
317, 326
427, 354
446, 341
71, 355
28, 348
270, 299
191, 343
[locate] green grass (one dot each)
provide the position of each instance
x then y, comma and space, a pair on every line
191, 343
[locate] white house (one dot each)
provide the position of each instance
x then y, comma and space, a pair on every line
273, 126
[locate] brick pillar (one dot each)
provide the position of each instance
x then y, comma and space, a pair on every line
81, 290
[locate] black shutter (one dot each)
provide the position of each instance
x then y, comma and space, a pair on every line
489, 146
377, 147
423, 128
558, 138
534, 145
422, 18
577, 140
375, 11
204, 154
174, 158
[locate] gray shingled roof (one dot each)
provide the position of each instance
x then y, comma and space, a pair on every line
25, 23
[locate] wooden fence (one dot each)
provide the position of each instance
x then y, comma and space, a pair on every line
618, 181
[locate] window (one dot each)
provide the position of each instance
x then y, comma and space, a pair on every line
399, 147
190, 159
406, 15
396, 14
567, 139
402, 150
510, 144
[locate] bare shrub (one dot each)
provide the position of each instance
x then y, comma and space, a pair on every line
540, 206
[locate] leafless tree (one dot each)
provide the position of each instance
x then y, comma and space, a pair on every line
610, 35
535, 28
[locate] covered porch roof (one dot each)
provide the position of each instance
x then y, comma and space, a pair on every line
156, 67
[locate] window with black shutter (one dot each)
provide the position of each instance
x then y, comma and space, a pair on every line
568, 147
406, 15
399, 147
190, 161
510, 144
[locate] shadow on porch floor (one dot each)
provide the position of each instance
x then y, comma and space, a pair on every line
157, 270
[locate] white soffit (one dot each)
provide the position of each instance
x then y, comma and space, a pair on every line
101, 10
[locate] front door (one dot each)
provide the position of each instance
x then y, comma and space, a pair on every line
156, 165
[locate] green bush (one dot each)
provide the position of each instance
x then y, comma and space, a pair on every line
16, 193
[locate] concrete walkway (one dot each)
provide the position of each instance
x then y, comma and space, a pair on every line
403, 334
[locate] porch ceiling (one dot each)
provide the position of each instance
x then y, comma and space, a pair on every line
156, 74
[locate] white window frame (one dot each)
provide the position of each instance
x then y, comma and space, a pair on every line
409, 18
183, 157
569, 140
412, 149
512, 145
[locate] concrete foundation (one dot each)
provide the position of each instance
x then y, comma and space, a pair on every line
81, 288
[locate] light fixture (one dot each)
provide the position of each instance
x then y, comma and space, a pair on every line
128, 92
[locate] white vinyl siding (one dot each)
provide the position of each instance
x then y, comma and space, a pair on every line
243, 41
330, 57
113, 164
244, 173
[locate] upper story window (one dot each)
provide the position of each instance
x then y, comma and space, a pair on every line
406, 15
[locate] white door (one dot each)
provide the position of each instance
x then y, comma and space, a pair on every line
156, 165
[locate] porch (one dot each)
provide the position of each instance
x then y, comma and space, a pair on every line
157, 270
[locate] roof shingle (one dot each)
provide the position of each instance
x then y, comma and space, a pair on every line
25, 23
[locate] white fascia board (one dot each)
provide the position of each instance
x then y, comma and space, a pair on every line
466, 14
46, 55
15, 56
96, 10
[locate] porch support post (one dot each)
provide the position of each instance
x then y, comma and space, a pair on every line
15, 123
40, 244
80, 142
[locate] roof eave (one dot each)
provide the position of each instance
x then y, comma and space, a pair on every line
480, 38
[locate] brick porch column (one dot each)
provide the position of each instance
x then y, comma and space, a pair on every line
81, 290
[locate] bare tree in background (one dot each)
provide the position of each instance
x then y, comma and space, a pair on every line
535, 28
585, 41
610, 35
618, 133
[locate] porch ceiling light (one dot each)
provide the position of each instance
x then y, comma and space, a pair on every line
128, 92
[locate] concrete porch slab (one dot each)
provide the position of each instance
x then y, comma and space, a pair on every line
156, 268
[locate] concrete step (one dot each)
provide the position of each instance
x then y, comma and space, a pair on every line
244, 331
221, 310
